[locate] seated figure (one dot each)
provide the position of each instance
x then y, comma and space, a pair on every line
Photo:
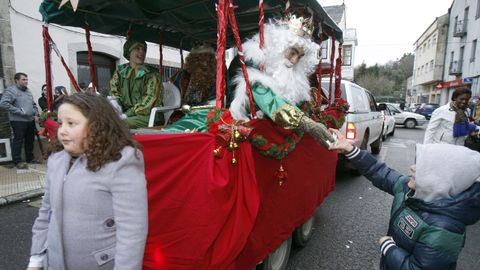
278, 75
197, 80
136, 86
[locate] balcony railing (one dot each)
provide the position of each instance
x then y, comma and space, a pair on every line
460, 29
455, 67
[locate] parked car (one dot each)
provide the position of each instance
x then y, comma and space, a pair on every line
408, 119
426, 109
412, 107
388, 122
363, 122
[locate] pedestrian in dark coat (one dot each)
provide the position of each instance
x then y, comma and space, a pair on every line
18, 101
431, 208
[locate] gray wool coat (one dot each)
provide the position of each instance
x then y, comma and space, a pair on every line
93, 220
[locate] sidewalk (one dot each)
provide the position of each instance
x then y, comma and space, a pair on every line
19, 185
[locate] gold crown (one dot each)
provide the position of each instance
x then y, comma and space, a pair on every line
301, 26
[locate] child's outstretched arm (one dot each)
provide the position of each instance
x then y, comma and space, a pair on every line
377, 172
423, 256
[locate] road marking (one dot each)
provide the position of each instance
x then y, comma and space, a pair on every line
396, 145
383, 153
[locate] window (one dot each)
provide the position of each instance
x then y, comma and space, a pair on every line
371, 102
324, 50
360, 99
435, 38
104, 66
431, 65
461, 54
477, 14
347, 55
474, 50
168, 71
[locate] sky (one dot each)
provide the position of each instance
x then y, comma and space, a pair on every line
387, 29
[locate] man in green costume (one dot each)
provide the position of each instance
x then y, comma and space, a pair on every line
136, 86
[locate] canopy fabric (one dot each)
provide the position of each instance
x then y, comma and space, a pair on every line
183, 22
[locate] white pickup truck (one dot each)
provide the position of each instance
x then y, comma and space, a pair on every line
364, 122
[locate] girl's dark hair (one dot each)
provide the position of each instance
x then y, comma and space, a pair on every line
107, 134
460, 91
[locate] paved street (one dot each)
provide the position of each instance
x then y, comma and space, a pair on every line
348, 226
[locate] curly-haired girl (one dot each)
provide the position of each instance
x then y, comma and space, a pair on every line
94, 212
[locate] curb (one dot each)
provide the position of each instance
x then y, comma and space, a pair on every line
21, 196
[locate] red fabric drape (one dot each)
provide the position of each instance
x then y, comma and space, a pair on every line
222, 21
201, 209
93, 77
238, 41
205, 213
48, 68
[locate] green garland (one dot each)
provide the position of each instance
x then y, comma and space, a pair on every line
277, 151
45, 115
266, 148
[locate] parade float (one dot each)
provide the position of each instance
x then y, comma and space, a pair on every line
241, 193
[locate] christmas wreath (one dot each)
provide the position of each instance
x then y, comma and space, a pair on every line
229, 131
334, 115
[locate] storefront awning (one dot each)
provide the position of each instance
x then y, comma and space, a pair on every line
454, 83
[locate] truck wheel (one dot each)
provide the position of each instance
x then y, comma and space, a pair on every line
364, 143
410, 123
278, 259
377, 146
393, 132
303, 233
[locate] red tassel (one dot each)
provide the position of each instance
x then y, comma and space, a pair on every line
281, 175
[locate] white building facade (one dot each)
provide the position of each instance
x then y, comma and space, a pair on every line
338, 15
429, 61
462, 58
22, 50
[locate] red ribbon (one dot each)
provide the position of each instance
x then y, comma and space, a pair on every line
233, 23
261, 23
332, 58
338, 73
91, 68
48, 70
222, 10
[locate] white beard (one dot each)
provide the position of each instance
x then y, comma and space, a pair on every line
292, 84
286, 83
289, 83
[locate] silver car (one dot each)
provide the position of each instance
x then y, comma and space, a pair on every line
408, 119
